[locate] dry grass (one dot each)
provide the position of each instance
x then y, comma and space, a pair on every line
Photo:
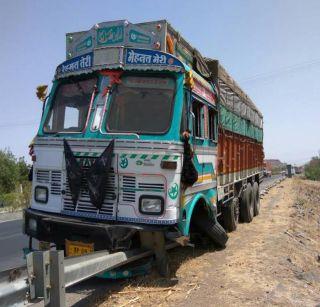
284, 245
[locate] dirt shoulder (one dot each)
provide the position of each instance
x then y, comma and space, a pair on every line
275, 260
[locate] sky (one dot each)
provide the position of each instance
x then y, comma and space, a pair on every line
271, 48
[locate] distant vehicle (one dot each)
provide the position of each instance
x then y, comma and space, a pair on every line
141, 138
290, 171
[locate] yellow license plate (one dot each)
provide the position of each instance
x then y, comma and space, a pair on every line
75, 248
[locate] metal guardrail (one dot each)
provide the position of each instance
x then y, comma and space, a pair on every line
48, 274
13, 287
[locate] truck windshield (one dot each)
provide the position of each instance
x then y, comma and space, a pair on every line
70, 106
142, 105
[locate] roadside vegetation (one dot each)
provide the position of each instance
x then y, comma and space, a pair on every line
312, 169
15, 188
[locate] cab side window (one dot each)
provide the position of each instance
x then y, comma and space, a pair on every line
213, 121
198, 111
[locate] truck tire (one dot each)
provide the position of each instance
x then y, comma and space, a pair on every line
247, 205
230, 214
212, 229
256, 198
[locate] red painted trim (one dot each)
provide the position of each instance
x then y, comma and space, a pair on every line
204, 92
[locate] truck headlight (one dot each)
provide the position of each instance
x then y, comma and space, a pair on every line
151, 204
41, 194
32, 224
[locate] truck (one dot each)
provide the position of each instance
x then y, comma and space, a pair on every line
290, 171
142, 140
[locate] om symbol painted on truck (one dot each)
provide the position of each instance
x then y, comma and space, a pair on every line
173, 191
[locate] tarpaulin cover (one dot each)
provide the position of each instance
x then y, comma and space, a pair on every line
200, 65
97, 176
233, 122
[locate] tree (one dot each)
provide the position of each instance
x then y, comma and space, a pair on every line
312, 169
23, 169
9, 173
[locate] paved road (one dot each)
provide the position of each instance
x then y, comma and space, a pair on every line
11, 243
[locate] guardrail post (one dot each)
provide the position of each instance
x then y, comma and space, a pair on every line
38, 265
31, 276
57, 280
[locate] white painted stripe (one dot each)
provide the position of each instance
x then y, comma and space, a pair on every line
200, 187
206, 159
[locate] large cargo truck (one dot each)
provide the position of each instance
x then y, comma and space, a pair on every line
142, 140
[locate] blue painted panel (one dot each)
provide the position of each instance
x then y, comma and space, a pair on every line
76, 64
150, 57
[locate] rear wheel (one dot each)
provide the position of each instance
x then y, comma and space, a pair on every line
230, 215
247, 205
256, 198
212, 229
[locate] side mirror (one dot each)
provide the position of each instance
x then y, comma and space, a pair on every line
42, 92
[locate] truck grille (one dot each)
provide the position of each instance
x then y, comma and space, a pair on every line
84, 204
55, 187
51, 178
152, 187
129, 189
42, 176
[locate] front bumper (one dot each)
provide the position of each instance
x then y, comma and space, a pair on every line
57, 228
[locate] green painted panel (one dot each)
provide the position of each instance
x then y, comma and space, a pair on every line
236, 124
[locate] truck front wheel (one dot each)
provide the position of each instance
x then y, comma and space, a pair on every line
212, 229
247, 205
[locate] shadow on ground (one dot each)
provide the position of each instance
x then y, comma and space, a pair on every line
98, 290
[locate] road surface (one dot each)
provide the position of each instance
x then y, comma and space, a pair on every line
11, 243
268, 181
